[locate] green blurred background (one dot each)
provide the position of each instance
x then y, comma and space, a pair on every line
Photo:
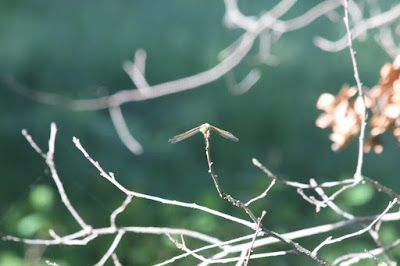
73, 48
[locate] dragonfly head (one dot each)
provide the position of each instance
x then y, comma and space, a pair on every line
204, 128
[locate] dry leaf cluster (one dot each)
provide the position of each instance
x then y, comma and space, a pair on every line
343, 112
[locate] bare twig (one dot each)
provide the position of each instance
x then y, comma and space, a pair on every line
81, 237
235, 202
297, 184
329, 240
330, 203
374, 233
136, 71
112, 248
374, 258
361, 27
225, 246
342, 189
110, 178
307, 232
115, 260
295, 246
253, 256
210, 164
183, 247
241, 261
33, 144
49, 157
246, 84
155, 91
306, 18
254, 27
123, 132
120, 209
239, 204
352, 258
73, 239
381, 188
311, 199
263, 195
363, 114
254, 238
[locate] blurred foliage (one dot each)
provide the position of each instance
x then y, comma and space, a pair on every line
76, 49
41, 197
359, 196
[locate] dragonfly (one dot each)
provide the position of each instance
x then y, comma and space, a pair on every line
204, 128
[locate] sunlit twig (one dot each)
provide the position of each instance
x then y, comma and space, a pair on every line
263, 195
258, 229
329, 240
112, 248
49, 158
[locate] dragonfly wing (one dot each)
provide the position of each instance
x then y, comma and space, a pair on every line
225, 133
185, 135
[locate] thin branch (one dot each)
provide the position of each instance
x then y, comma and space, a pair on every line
258, 229
119, 210
312, 200
381, 188
136, 71
49, 158
352, 258
307, 18
374, 233
123, 132
254, 27
81, 237
361, 27
330, 203
112, 248
263, 195
297, 184
115, 260
224, 245
246, 84
215, 179
182, 246
363, 114
296, 246
343, 189
264, 51
234, 18
242, 259
155, 91
321, 229
329, 240
239, 204
110, 177
253, 256
374, 258
72, 239
52, 141
33, 144
207, 135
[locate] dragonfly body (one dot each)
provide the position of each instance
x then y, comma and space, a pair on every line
203, 129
